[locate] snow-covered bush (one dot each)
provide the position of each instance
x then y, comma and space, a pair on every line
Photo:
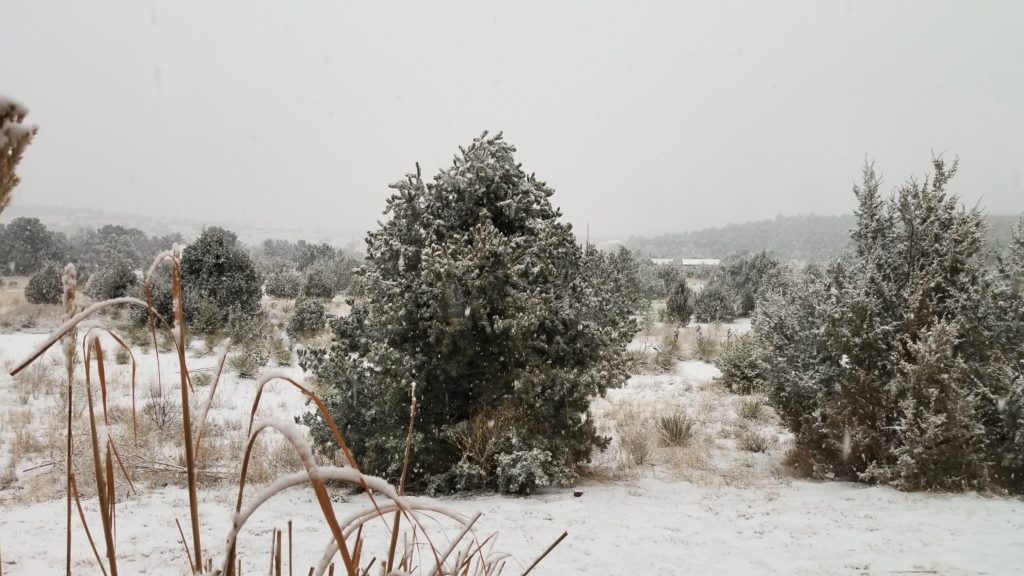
26, 245
44, 287
522, 471
219, 283
744, 275
215, 268
714, 303
743, 369
679, 306
668, 352
477, 292
115, 281
285, 284
308, 319
320, 282
896, 366
733, 287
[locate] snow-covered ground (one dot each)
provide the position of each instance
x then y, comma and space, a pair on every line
711, 508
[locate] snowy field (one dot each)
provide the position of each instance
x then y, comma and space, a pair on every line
714, 507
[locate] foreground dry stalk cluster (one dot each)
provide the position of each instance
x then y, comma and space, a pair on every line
411, 549
15, 136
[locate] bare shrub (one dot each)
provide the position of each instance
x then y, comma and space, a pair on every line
668, 353
635, 438
122, 356
163, 412
799, 462
41, 379
752, 440
476, 439
707, 343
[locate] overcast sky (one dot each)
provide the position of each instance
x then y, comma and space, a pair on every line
645, 117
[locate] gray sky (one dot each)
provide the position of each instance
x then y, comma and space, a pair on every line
645, 117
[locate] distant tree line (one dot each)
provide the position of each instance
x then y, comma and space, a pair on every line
806, 238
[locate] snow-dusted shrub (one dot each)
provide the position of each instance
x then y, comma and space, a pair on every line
522, 471
44, 287
308, 319
751, 440
463, 477
285, 284
477, 292
220, 281
114, 281
248, 361
714, 303
679, 306
26, 245
320, 282
744, 275
280, 352
707, 344
896, 366
668, 352
743, 369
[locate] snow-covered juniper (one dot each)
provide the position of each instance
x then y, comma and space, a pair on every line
476, 291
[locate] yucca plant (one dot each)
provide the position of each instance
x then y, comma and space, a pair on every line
465, 554
677, 429
750, 408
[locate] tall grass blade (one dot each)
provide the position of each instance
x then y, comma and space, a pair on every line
184, 543
546, 552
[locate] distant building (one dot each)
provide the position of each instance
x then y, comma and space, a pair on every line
687, 262
699, 261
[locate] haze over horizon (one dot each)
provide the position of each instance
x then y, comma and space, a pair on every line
644, 117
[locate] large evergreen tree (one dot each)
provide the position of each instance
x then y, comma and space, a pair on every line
893, 366
26, 245
478, 293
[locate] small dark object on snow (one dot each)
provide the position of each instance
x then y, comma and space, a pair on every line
577, 493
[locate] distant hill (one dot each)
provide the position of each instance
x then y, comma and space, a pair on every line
71, 220
805, 238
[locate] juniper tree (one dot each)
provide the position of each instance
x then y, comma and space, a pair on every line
715, 303
889, 366
44, 287
219, 279
476, 292
679, 306
26, 245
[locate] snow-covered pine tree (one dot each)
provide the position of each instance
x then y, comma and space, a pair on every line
679, 305
715, 303
1009, 312
888, 366
44, 287
478, 299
